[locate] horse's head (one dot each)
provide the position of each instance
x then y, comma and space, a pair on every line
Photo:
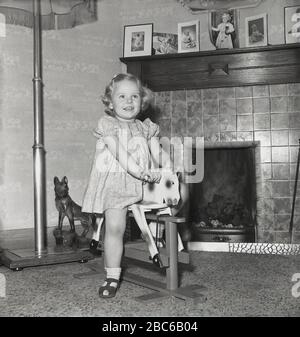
170, 188
166, 192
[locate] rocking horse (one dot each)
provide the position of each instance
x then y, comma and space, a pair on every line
156, 197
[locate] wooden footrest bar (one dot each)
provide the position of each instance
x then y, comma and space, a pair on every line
139, 251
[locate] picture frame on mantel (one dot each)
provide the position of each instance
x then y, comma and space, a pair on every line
256, 30
188, 37
292, 24
223, 26
137, 40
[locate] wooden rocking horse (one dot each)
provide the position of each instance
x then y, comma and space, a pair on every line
156, 197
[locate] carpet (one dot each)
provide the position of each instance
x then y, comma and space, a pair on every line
236, 285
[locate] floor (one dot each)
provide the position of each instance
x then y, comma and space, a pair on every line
236, 285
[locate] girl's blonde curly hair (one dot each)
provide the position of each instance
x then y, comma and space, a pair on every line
146, 94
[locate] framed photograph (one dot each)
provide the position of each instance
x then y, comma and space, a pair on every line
223, 29
292, 24
137, 40
165, 43
256, 30
188, 37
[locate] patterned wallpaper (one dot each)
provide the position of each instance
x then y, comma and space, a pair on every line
77, 64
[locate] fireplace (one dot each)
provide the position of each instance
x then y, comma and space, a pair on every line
223, 206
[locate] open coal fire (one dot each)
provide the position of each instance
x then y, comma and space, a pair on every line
222, 212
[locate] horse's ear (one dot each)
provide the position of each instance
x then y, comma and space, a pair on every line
56, 180
65, 179
179, 175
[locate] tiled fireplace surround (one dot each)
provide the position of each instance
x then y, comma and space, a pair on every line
269, 114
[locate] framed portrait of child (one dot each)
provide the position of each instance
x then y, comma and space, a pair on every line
256, 30
223, 29
292, 24
188, 37
138, 40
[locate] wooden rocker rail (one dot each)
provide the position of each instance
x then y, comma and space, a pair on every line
170, 258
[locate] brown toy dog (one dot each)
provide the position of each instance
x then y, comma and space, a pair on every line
68, 208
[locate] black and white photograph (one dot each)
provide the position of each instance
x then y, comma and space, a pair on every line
223, 29
256, 30
165, 43
149, 171
137, 40
188, 37
292, 24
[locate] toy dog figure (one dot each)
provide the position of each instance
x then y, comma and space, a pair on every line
68, 208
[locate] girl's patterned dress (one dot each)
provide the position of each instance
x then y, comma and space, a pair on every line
110, 186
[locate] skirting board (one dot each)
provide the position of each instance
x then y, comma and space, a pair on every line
246, 248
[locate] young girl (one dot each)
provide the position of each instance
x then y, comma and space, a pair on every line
120, 167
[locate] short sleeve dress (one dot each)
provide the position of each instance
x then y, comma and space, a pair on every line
224, 39
110, 186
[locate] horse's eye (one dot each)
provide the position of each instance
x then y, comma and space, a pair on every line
169, 183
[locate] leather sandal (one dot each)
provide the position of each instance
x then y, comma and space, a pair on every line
94, 248
111, 290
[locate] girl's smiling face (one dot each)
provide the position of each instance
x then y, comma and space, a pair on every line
126, 100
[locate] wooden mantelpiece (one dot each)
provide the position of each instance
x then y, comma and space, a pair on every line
218, 68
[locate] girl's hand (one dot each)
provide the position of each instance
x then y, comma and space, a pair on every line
150, 177
154, 177
144, 176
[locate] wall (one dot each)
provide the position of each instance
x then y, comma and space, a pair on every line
77, 64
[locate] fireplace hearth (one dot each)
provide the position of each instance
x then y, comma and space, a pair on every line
223, 205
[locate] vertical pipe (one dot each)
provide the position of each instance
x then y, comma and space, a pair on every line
172, 251
38, 146
291, 231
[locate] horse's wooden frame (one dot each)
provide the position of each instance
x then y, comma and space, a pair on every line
167, 258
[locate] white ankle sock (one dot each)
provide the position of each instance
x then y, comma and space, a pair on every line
113, 273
